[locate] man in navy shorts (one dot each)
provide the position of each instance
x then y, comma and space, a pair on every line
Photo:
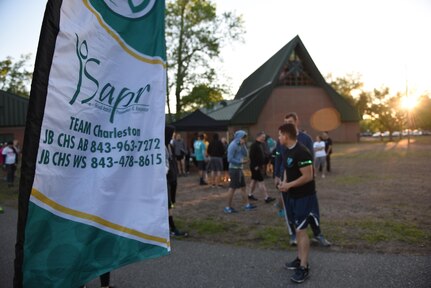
299, 195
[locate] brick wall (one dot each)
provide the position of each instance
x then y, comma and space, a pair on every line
304, 101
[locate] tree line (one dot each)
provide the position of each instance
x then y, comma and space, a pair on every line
195, 34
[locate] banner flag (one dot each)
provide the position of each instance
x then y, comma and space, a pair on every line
93, 193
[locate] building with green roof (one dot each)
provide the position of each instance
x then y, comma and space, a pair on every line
289, 81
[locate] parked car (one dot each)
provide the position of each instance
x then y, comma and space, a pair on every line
417, 132
377, 134
366, 134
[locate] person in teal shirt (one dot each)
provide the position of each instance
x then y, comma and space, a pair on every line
199, 149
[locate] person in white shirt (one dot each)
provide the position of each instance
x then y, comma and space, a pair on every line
10, 159
319, 155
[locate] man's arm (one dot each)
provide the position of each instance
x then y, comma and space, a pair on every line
307, 176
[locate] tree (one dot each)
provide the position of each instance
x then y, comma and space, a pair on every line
201, 96
385, 110
194, 36
350, 87
14, 77
422, 113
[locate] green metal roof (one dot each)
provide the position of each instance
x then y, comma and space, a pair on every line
257, 88
13, 110
224, 110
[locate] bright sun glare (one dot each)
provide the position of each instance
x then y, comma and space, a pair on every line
409, 102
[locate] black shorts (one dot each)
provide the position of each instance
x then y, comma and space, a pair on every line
257, 174
179, 157
215, 164
201, 165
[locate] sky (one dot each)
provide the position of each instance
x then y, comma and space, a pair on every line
387, 42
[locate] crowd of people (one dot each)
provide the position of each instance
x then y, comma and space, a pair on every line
294, 161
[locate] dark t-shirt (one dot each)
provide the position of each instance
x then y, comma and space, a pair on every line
328, 142
294, 159
216, 149
257, 155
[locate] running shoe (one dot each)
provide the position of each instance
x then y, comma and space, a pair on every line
281, 213
321, 240
251, 197
229, 210
301, 273
249, 207
269, 200
293, 265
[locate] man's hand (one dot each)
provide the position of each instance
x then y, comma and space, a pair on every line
277, 181
283, 186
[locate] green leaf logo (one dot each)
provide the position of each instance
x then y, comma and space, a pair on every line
131, 8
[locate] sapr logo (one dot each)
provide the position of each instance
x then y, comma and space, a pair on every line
130, 8
102, 94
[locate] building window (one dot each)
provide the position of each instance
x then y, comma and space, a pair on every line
294, 73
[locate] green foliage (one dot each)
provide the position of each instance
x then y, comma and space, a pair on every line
194, 36
346, 85
369, 125
422, 115
14, 76
385, 110
350, 87
201, 96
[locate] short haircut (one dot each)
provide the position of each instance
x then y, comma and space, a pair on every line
289, 129
292, 115
260, 133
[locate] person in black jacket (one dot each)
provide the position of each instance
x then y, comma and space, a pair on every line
216, 151
171, 178
257, 164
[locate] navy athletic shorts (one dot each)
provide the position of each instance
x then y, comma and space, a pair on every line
302, 210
